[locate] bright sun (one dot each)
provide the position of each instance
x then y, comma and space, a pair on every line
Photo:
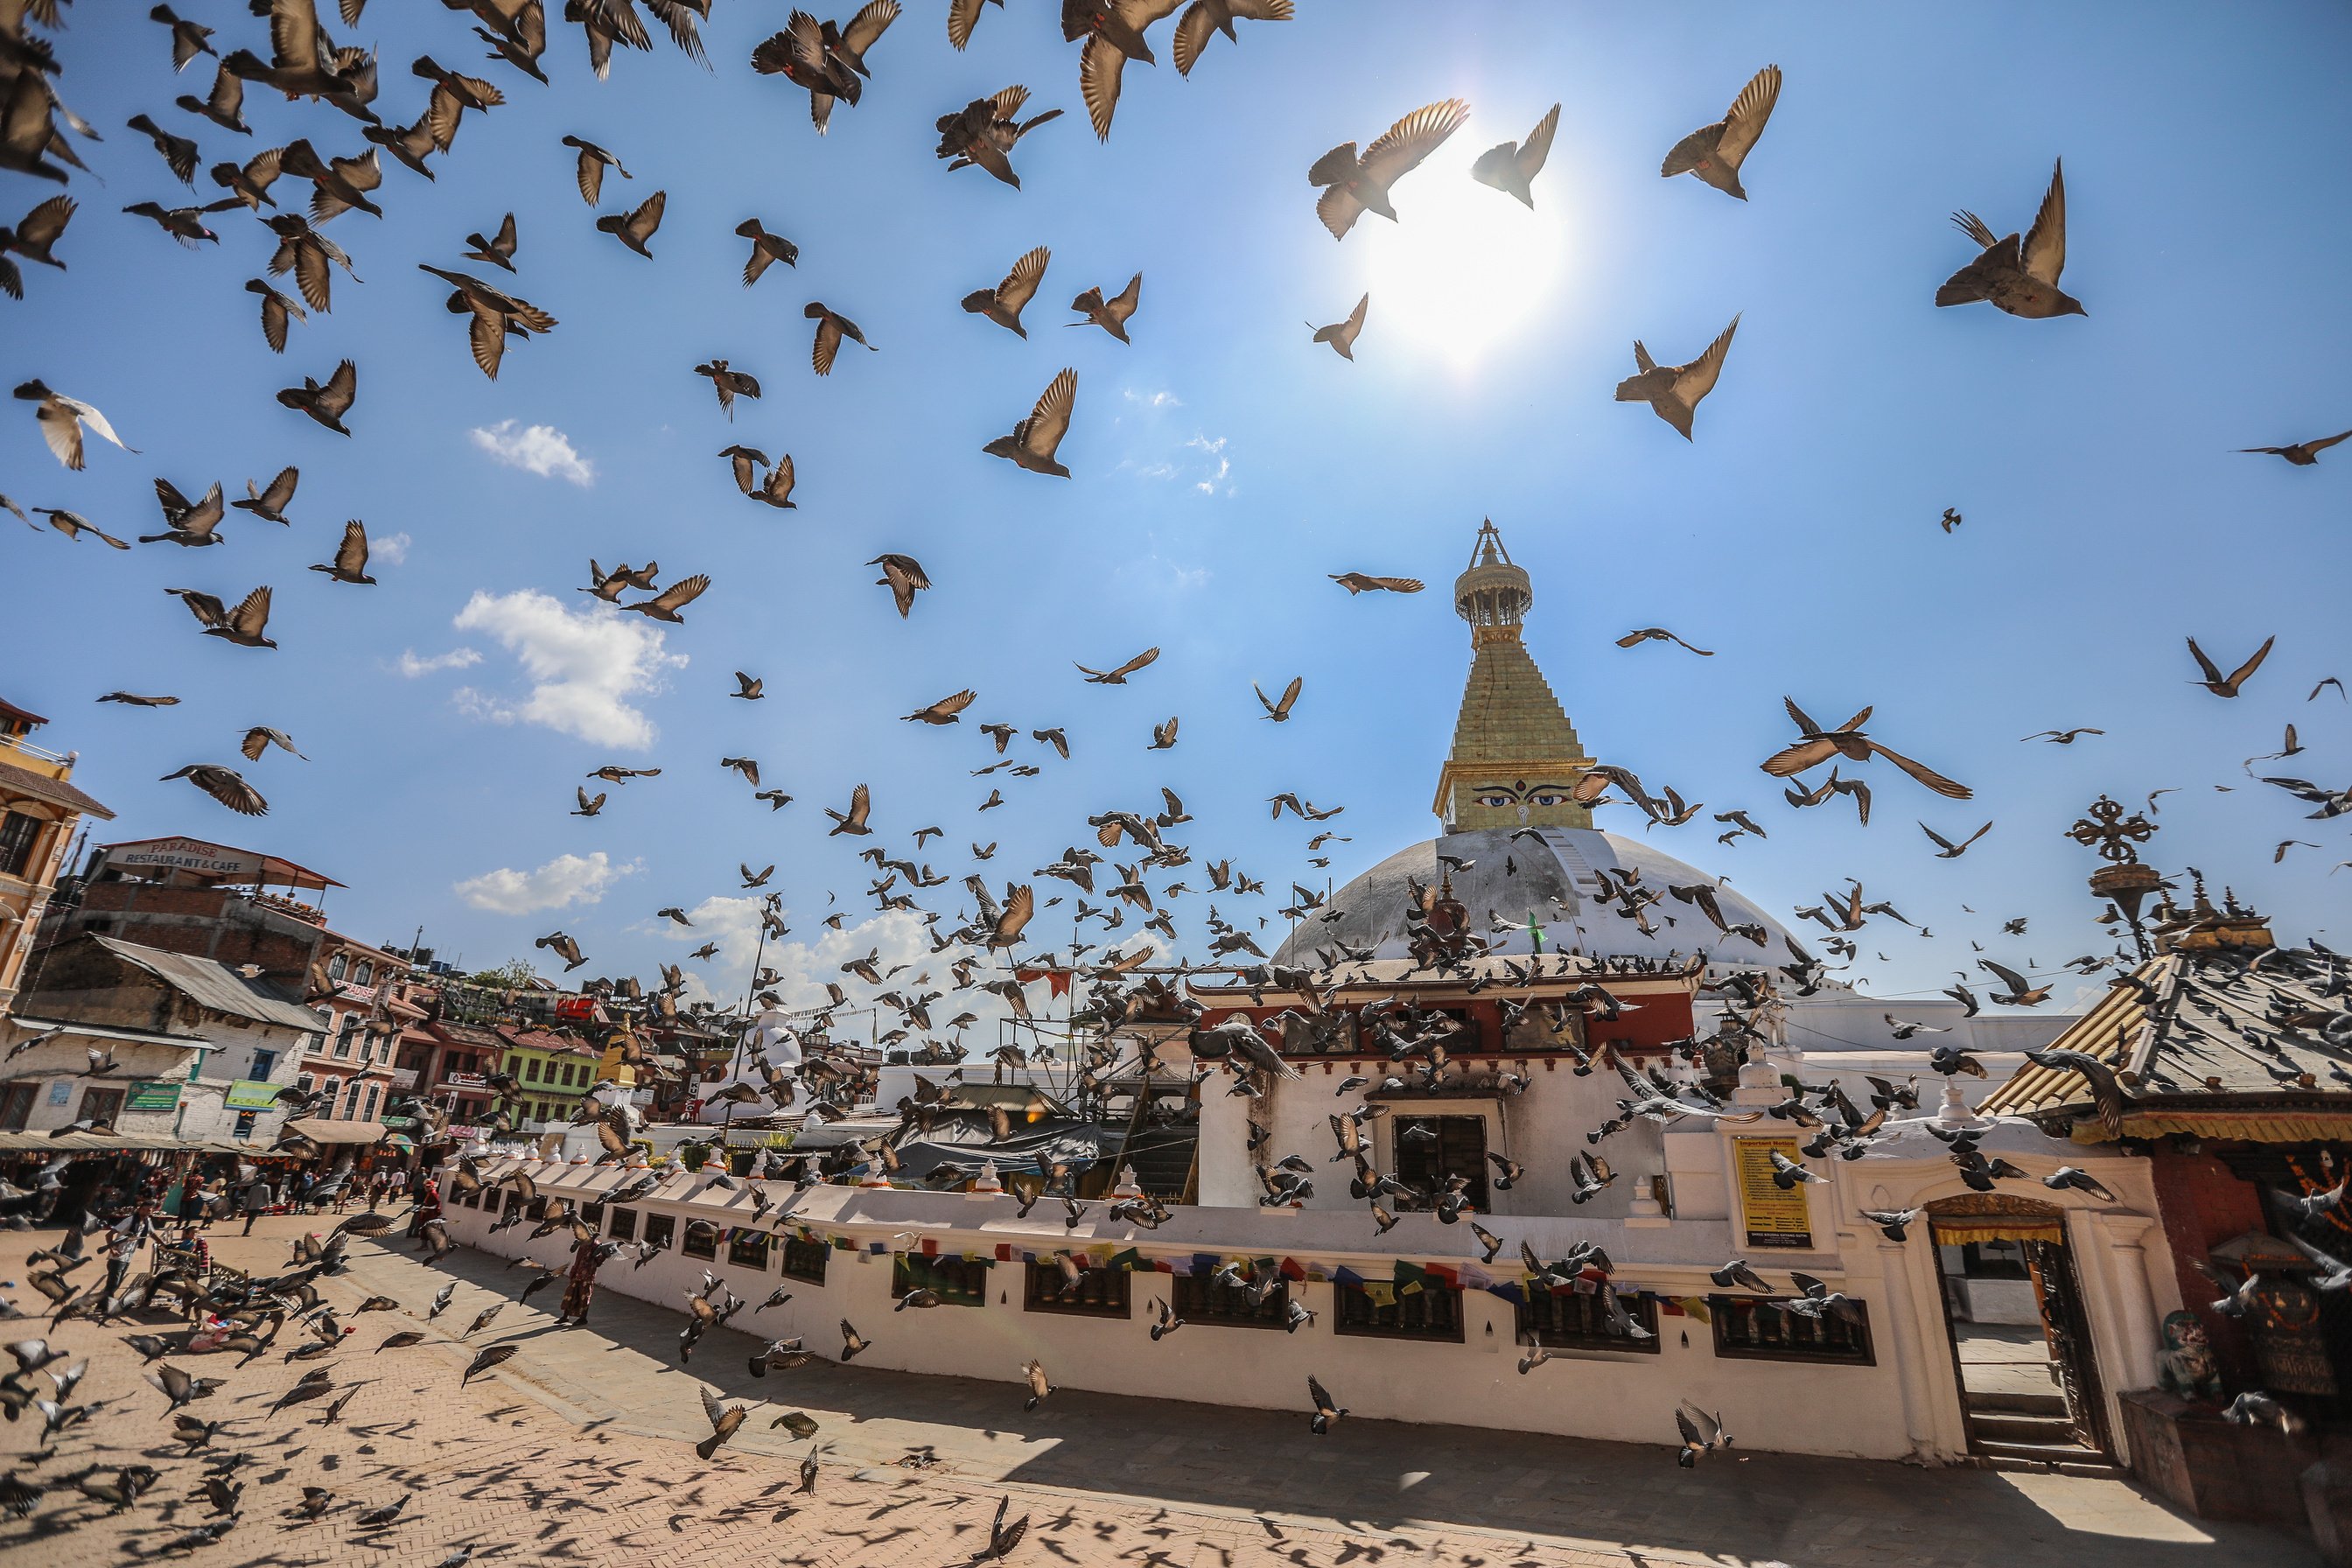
1467, 266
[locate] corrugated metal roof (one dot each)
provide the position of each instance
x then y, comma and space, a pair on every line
215, 985
28, 1024
107, 1142
2206, 1025
57, 792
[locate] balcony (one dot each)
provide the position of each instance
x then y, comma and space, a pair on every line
36, 759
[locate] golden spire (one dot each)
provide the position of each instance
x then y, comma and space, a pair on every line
1516, 756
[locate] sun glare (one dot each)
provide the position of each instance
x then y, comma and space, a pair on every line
1467, 267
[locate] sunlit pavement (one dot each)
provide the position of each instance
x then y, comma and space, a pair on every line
576, 1451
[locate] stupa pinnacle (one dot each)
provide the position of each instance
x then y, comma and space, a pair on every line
1516, 756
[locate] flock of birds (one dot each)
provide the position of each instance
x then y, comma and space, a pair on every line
1130, 849
242, 1317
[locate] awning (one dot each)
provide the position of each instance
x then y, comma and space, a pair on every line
104, 1143
2287, 1125
318, 1129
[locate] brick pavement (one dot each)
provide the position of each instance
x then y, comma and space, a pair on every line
575, 1452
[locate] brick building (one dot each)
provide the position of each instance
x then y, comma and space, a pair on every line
192, 1050
223, 903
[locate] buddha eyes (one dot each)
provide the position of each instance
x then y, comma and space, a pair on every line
1547, 799
1495, 800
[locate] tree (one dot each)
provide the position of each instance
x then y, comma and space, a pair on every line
511, 975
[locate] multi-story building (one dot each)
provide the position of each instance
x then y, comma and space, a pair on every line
552, 1072
453, 1061
40, 811
151, 1044
224, 903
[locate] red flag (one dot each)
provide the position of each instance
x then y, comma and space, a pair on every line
1059, 980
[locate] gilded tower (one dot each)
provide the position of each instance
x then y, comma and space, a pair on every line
1516, 756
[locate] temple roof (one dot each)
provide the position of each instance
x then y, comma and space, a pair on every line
2235, 1027
1512, 738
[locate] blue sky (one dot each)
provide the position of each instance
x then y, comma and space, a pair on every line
1223, 464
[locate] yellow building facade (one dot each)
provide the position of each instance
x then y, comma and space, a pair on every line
40, 811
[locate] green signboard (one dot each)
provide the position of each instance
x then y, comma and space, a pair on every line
152, 1094
250, 1094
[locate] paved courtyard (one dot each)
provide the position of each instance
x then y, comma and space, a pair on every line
576, 1451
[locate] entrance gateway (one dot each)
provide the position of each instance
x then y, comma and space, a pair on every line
2021, 1340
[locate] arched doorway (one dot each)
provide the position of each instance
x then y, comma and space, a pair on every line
2020, 1337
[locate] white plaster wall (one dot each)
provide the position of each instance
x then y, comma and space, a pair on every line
65, 1060
2127, 1291
1785, 1405
1543, 1128
204, 1112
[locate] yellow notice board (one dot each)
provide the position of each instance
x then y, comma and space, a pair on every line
1769, 1217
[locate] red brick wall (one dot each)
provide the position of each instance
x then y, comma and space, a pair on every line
206, 921
2204, 1205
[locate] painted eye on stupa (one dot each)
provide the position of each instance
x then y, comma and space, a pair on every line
1547, 799
1495, 800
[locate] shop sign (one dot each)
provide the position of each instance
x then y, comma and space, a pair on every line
1769, 1215
154, 1094
251, 1094
189, 854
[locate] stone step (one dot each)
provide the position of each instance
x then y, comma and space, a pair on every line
2066, 1458
2090, 1467
2015, 1404
2054, 1430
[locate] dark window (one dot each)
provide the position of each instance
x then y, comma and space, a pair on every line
264, 1064
535, 1210
959, 1283
1578, 1321
101, 1105
1458, 1150
513, 1201
1202, 1299
16, 1106
17, 832
593, 1214
701, 1239
1100, 1292
659, 1229
805, 1259
620, 1224
1750, 1327
748, 1250
1993, 1260
244, 1128
1430, 1312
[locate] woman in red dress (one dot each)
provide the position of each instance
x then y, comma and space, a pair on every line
580, 1284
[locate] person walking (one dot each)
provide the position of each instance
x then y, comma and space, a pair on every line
580, 1284
428, 1206
254, 1199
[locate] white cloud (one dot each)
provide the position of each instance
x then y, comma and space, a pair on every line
564, 881
584, 666
1220, 474
803, 967
390, 547
1154, 400
542, 449
410, 665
